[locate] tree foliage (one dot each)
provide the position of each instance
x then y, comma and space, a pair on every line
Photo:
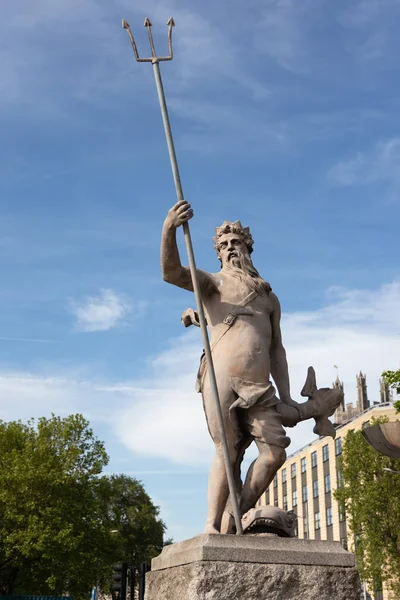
371, 499
62, 524
132, 517
392, 378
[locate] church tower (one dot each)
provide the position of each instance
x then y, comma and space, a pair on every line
340, 412
385, 392
338, 385
362, 394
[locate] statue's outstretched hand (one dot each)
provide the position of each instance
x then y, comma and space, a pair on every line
289, 401
179, 214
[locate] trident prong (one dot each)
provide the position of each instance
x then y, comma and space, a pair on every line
154, 58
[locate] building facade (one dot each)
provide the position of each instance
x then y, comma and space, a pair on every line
309, 477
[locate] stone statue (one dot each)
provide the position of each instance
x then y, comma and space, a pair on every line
243, 316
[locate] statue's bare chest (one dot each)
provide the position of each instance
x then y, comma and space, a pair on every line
231, 292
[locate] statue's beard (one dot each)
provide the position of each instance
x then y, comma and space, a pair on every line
241, 267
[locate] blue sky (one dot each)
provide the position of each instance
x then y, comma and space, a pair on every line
285, 116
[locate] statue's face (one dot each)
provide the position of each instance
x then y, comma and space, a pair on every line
231, 248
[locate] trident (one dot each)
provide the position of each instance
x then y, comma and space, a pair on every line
155, 60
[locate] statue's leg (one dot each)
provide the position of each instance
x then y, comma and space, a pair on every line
218, 490
228, 524
265, 426
261, 473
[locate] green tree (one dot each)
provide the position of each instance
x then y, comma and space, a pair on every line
392, 378
49, 517
370, 496
132, 517
62, 524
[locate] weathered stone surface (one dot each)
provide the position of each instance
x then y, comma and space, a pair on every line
218, 580
253, 549
252, 567
243, 320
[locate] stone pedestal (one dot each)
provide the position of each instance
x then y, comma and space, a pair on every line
252, 567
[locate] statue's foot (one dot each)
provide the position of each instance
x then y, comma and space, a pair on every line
228, 525
210, 528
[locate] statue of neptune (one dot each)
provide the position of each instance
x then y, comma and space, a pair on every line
243, 316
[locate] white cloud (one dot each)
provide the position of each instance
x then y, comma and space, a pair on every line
161, 416
55, 389
357, 329
382, 163
102, 312
25, 395
165, 415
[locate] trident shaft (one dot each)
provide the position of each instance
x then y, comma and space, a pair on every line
155, 60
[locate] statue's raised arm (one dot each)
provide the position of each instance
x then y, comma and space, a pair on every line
171, 267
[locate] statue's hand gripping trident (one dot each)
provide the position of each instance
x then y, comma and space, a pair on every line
155, 60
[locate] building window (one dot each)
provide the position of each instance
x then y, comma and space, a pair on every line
313, 459
294, 498
338, 446
315, 488
285, 506
327, 483
276, 502
329, 516
305, 524
267, 497
339, 478
342, 513
283, 475
317, 521
304, 493
276, 481
303, 465
293, 468
325, 453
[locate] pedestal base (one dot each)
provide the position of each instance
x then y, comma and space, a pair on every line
252, 567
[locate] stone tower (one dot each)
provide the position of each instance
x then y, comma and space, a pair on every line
385, 392
340, 413
362, 394
338, 385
